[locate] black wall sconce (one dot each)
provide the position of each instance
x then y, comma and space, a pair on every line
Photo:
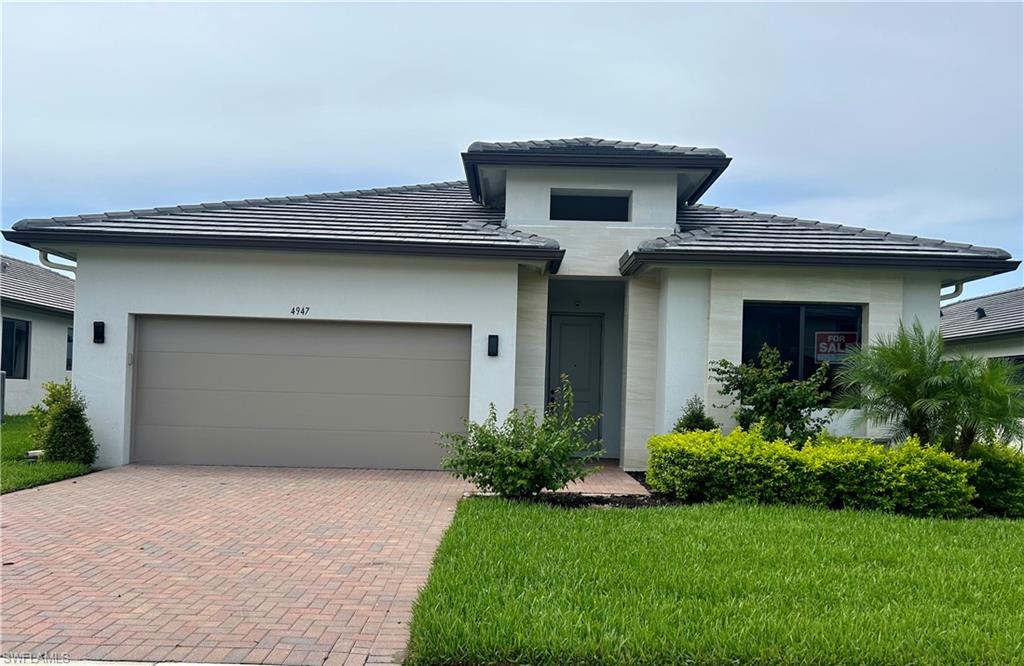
99, 332
492, 345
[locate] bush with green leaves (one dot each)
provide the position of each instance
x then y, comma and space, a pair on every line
834, 472
999, 479
55, 394
906, 382
68, 436
784, 409
694, 418
524, 454
707, 466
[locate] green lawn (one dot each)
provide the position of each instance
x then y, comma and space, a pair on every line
15, 474
719, 584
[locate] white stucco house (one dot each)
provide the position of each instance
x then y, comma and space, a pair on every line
991, 325
348, 328
38, 310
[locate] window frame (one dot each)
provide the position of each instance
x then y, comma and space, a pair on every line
801, 307
28, 346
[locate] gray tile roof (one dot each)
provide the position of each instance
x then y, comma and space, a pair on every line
25, 283
589, 144
431, 218
709, 232
1003, 313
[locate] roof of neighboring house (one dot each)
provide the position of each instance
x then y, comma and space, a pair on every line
25, 283
431, 219
992, 314
710, 234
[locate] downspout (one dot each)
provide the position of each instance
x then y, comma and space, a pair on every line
958, 288
44, 259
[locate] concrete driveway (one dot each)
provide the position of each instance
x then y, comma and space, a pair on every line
221, 564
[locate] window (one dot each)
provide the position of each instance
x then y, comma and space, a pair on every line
71, 345
15, 348
591, 205
805, 335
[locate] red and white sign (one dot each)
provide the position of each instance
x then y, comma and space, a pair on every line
833, 345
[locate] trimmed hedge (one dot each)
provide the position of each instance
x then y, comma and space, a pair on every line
999, 480
831, 472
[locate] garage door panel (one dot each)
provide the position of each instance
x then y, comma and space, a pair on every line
309, 374
287, 337
183, 445
286, 392
268, 409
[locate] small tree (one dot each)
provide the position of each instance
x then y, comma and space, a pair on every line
693, 417
68, 435
785, 409
906, 381
524, 455
56, 394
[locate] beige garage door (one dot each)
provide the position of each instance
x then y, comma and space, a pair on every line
296, 393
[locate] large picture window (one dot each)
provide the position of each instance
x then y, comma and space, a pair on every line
15, 348
804, 334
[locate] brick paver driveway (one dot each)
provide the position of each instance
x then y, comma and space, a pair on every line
221, 564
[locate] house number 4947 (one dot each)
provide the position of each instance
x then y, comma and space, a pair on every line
300, 310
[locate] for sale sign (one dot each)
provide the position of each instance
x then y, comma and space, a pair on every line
832, 346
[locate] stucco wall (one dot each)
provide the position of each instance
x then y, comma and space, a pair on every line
47, 349
700, 315
114, 284
592, 248
993, 347
639, 399
531, 338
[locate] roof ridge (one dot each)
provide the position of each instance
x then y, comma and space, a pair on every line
233, 204
989, 295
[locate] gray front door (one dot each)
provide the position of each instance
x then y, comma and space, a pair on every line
575, 350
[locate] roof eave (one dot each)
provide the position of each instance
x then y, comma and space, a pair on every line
631, 262
975, 337
31, 237
715, 164
29, 305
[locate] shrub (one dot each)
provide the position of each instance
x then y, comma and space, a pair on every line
68, 436
785, 409
709, 467
524, 455
834, 472
999, 480
693, 417
931, 482
905, 381
56, 395
856, 474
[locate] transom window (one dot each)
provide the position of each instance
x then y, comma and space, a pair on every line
15, 348
804, 334
590, 205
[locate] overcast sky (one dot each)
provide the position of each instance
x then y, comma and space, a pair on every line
899, 117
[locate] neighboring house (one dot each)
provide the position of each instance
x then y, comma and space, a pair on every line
991, 325
348, 328
38, 310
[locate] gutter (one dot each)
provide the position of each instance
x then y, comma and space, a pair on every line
631, 262
553, 256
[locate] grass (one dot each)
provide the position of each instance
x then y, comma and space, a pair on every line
719, 584
15, 473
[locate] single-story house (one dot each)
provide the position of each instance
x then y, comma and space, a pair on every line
38, 308
348, 328
991, 325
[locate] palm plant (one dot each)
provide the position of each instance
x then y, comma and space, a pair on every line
906, 381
